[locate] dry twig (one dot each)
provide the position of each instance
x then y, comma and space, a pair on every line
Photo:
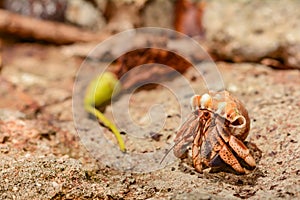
55, 32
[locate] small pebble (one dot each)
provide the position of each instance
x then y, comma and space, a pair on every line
55, 185
155, 136
15, 189
38, 184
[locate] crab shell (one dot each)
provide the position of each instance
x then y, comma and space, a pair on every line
228, 107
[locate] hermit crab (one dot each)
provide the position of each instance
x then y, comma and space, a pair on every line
216, 128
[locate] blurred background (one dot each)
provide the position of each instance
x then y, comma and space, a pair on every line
258, 31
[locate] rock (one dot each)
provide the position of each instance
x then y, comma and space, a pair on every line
43, 9
254, 30
155, 14
84, 14
123, 15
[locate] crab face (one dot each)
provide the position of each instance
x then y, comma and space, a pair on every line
216, 128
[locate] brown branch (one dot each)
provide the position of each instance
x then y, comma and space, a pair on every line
55, 32
155, 72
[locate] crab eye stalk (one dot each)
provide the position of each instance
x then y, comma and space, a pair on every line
201, 102
195, 102
206, 101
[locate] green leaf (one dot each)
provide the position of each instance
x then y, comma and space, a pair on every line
98, 92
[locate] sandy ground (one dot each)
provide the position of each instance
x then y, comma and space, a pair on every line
42, 156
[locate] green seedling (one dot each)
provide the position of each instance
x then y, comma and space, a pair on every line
99, 92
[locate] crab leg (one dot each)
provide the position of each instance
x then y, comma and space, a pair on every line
230, 159
197, 161
210, 149
182, 139
239, 148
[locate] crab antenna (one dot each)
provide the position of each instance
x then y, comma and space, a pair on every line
175, 145
169, 150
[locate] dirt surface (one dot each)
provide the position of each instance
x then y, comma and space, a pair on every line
42, 156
